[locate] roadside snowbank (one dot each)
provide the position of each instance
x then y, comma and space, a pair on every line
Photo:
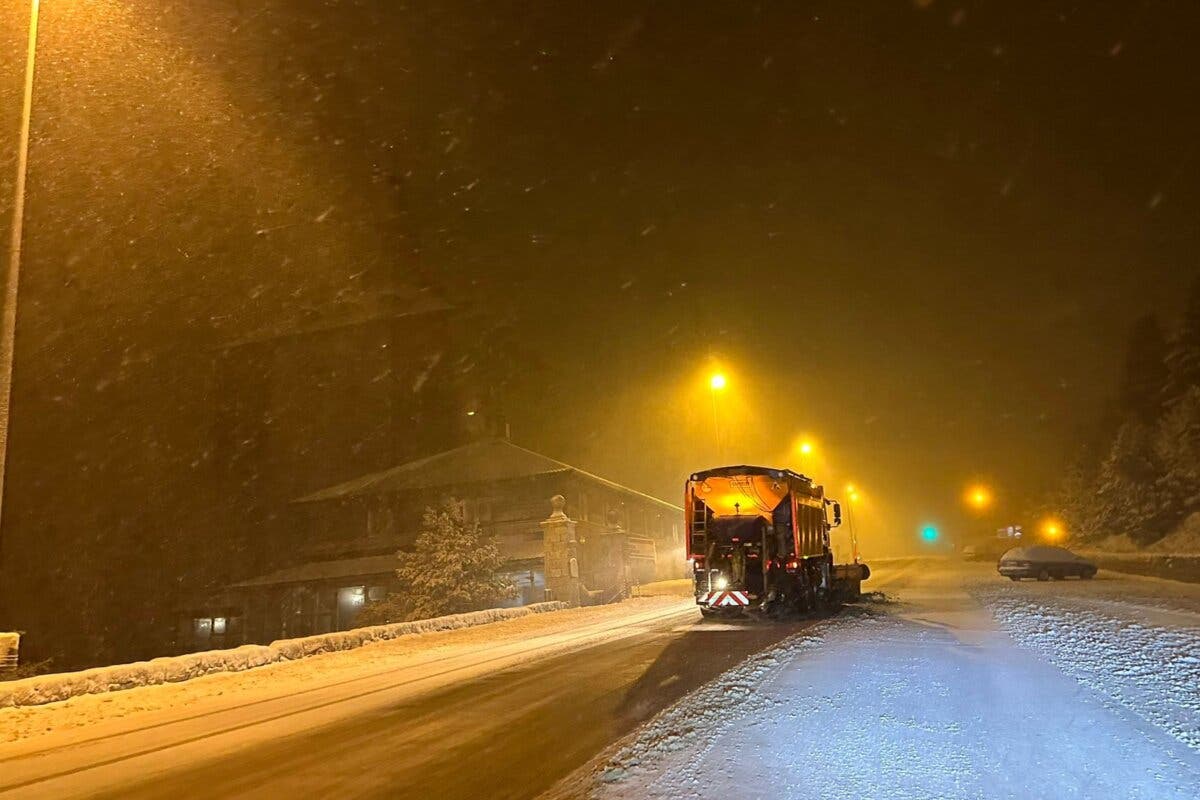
1176, 567
174, 669
1183, 541
1152, 670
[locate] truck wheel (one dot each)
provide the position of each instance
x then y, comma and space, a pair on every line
1043, 575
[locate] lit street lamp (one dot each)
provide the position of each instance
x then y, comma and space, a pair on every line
8, 319
979, 497
716, 384
1052, 529
851, 499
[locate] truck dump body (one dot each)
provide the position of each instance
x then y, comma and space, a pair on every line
759, 537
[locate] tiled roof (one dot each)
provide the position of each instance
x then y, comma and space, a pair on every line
485, 461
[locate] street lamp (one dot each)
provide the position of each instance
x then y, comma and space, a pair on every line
851, 499
979, 497
1052, 529
8, 319
716, 384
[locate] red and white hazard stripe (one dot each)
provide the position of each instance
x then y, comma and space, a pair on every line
727, 599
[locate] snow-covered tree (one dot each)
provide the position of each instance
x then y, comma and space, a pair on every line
1178, 450
1130, 497
452, 569
1148, 479
1076, 502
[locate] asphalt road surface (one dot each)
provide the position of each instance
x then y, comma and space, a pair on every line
505, 717
500, 718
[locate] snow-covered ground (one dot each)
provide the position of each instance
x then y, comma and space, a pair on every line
166, 702
957, 685
1141, 653
56, 687
966, 687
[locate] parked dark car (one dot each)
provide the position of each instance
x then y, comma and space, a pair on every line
1044, 563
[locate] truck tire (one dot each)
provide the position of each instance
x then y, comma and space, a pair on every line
1043, 576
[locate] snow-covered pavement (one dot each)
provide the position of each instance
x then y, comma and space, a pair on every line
965, 687
960, 685
138, 741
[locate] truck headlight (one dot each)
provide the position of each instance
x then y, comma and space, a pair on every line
721, 583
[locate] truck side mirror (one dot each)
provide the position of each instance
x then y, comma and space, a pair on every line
837, 514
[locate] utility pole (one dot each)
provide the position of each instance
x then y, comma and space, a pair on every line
8, 320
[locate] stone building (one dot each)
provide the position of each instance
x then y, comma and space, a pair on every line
344, 550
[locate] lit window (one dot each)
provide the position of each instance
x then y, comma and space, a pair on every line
218, 626
202, 627
352, 595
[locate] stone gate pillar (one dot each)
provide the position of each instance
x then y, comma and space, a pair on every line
560, 553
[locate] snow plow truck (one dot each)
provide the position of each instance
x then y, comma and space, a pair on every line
759, 542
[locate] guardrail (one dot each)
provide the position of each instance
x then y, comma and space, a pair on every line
1177, 566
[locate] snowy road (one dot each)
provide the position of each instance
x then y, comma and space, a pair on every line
499, 711
967, 687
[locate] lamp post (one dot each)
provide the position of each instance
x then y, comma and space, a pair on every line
8, 320
851, 499
715, 384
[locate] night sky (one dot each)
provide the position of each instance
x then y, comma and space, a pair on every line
914, 232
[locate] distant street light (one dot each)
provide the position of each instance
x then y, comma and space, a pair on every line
1053, 529
979, 497
806, 448
717, 382
8, 319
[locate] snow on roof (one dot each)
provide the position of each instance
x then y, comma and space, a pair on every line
326, 570
484, 461
1039, 553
